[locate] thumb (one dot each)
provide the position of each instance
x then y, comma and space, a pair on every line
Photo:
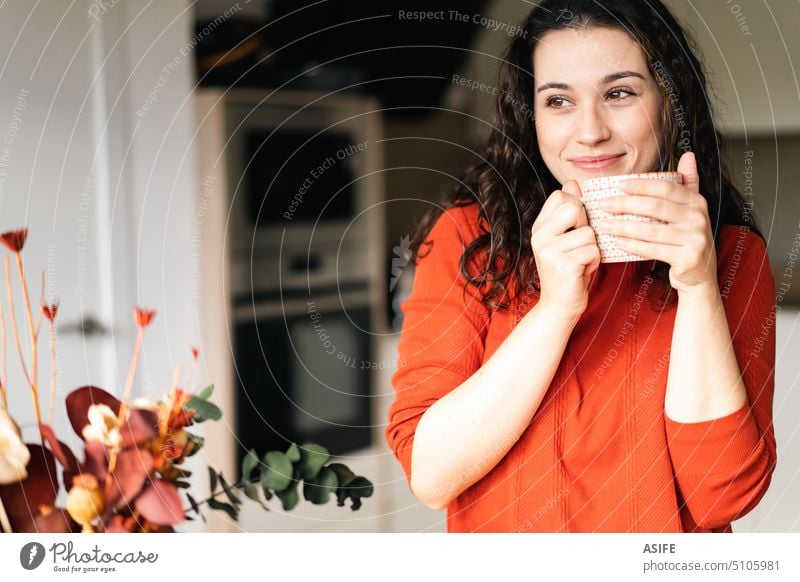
687, 167
573, 188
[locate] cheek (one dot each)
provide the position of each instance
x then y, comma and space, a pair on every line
638, 126
550, 137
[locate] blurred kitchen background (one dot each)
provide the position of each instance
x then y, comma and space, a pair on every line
253, 170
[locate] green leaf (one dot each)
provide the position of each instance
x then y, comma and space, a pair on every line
277, 474
212, 478
318, 490
249, 463
265, 489
251, 491
193, 502
343, 472
227, 508
355, 490
203, 409
289, 497
206, 392
313, 457
229, 492
195, 506
195, 444
293, 453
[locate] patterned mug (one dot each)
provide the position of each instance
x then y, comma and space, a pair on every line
598, 188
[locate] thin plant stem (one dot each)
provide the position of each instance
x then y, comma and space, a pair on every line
52, 371
19, 346
131, 375
123, 408
41, 302
4, 523
13, 317
34, 367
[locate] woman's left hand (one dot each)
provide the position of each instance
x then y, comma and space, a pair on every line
685, 242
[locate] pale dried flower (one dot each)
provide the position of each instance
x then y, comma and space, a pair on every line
103, 426
14, 455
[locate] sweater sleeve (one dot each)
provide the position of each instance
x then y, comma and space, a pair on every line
444, 327
723, 466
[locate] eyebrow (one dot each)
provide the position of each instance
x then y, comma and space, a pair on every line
604, 81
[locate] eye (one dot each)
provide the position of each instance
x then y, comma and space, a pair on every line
550, 100
621, 90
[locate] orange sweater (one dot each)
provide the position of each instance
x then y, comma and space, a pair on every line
599, 454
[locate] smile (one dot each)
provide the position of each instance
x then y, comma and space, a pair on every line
596, 164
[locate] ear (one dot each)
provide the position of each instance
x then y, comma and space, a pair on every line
687, 167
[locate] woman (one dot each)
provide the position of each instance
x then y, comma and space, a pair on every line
539, 390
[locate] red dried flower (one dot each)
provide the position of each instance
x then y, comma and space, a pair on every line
14, 239
195, 353
143, 317
50, 311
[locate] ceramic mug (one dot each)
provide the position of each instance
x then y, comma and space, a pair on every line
596, 189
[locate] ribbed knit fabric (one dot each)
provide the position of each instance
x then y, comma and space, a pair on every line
599, 454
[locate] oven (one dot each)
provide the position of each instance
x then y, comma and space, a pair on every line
304, 278
302, 370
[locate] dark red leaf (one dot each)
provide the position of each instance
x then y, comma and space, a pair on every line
78, 403
140, 427
96, 462
116, 525
160, 503
23, 500
62, 453
130, 473
58, 521
14, 239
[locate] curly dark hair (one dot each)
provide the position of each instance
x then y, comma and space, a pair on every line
512, 182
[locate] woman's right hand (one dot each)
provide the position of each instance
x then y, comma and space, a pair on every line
566, 252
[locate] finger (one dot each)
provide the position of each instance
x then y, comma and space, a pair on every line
574, 239
592, 278
656, 208
650, 250
687, 167
669, 191
586, 255
564, 217
572, 187
645, 231
553, 202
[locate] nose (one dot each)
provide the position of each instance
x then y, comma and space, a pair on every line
593, 127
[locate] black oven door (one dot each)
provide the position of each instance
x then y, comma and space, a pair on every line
303, 374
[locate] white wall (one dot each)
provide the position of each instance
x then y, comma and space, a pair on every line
109, 196
779, 510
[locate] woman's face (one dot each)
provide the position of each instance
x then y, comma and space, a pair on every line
594, 97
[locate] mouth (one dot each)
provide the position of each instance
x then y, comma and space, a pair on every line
595, 163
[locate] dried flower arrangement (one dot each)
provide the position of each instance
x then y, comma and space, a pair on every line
131, 477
